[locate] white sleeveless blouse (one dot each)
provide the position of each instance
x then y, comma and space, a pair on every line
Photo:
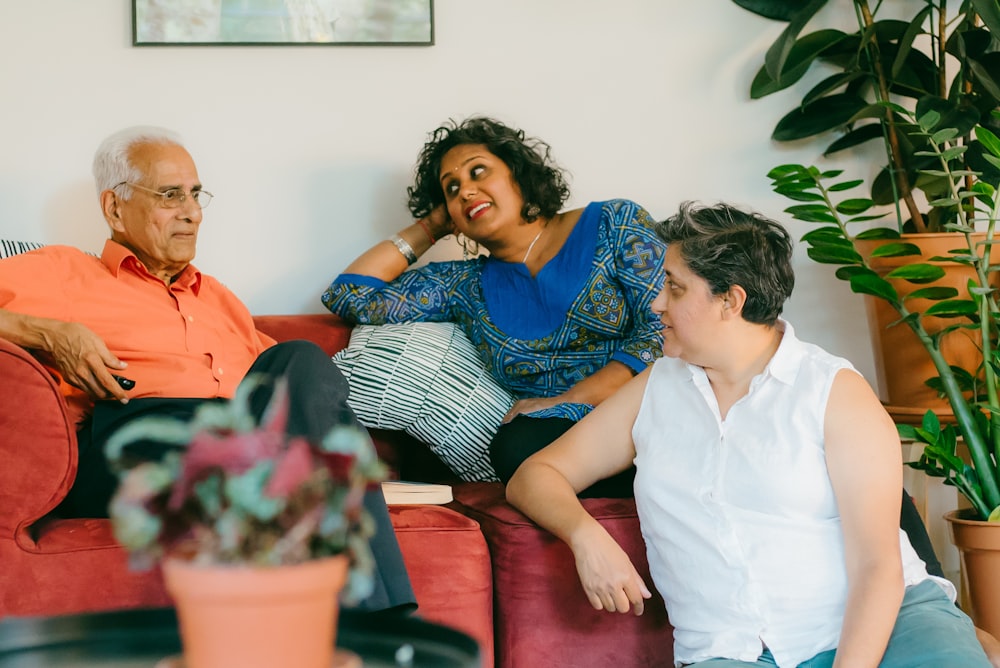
739, 516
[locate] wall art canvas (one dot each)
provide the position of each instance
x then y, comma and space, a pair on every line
282, 22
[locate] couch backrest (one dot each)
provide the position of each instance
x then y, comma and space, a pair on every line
325, 330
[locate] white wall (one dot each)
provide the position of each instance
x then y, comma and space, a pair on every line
309, 149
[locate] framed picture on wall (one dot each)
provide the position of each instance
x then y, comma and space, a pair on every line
282, 22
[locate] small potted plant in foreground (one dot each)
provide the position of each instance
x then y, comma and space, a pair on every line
242, 514
973, 392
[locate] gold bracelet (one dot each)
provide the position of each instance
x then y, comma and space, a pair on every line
403, 247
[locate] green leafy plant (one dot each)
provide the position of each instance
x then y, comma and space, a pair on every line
233, 491
943, 57
971, 393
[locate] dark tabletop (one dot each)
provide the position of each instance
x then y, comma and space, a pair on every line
140, 638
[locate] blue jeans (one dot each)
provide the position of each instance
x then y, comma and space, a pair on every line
930, 632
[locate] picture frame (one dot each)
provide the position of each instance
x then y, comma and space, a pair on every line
282, 22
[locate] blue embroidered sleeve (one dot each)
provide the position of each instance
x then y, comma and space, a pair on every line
638, 256
422, 294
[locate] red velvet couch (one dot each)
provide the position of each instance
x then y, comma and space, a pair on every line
476, 564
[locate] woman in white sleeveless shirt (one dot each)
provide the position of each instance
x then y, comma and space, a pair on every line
768, 479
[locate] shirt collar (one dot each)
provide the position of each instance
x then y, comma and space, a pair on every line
784, 366
118, 258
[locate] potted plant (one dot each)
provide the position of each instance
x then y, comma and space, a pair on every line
972, 392
256, 530
876, 81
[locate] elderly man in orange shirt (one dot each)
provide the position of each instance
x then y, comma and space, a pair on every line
141, 331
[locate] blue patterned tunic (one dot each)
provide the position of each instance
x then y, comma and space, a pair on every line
538, 336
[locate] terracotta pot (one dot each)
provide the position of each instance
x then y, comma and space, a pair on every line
902, 363
257, 617
978, 544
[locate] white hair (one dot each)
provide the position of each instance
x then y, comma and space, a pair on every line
111, 161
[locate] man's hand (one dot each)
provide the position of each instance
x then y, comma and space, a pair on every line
83, 360
608, 577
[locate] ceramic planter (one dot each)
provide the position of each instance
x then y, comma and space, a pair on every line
257, 617
902, 363
978, 544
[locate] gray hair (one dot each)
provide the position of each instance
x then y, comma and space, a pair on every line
727, 246
111, 161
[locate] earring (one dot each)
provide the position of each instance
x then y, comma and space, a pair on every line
532, 211
469, 247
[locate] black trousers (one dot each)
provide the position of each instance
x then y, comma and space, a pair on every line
524, 436
318, 401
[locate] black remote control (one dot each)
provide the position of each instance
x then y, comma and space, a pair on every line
125, 383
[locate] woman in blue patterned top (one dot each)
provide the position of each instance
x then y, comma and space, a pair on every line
560, 308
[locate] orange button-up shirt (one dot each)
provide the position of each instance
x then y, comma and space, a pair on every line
193, 338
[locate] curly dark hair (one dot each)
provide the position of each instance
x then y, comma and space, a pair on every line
727, 247
542, 182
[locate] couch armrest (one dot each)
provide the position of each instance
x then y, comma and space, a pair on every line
324, 329
37, 441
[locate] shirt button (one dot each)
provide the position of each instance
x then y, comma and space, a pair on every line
220, 371
190, 318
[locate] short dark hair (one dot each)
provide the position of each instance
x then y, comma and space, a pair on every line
727, 246
542, 182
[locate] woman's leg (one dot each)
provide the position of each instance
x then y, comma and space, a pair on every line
524, 436
932, 632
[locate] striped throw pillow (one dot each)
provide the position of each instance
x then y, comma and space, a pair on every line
425, 378
10, 248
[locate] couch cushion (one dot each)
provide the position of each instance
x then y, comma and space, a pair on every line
541, 616
449, 565
426, 379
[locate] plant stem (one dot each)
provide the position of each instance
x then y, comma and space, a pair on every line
897, 170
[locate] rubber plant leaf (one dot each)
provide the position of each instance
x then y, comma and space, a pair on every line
983, 69
778, 53
989, 12
915, 28
821, 116
854, 137
803, 53
779, 10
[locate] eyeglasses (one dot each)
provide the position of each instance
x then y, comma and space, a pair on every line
173, 197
